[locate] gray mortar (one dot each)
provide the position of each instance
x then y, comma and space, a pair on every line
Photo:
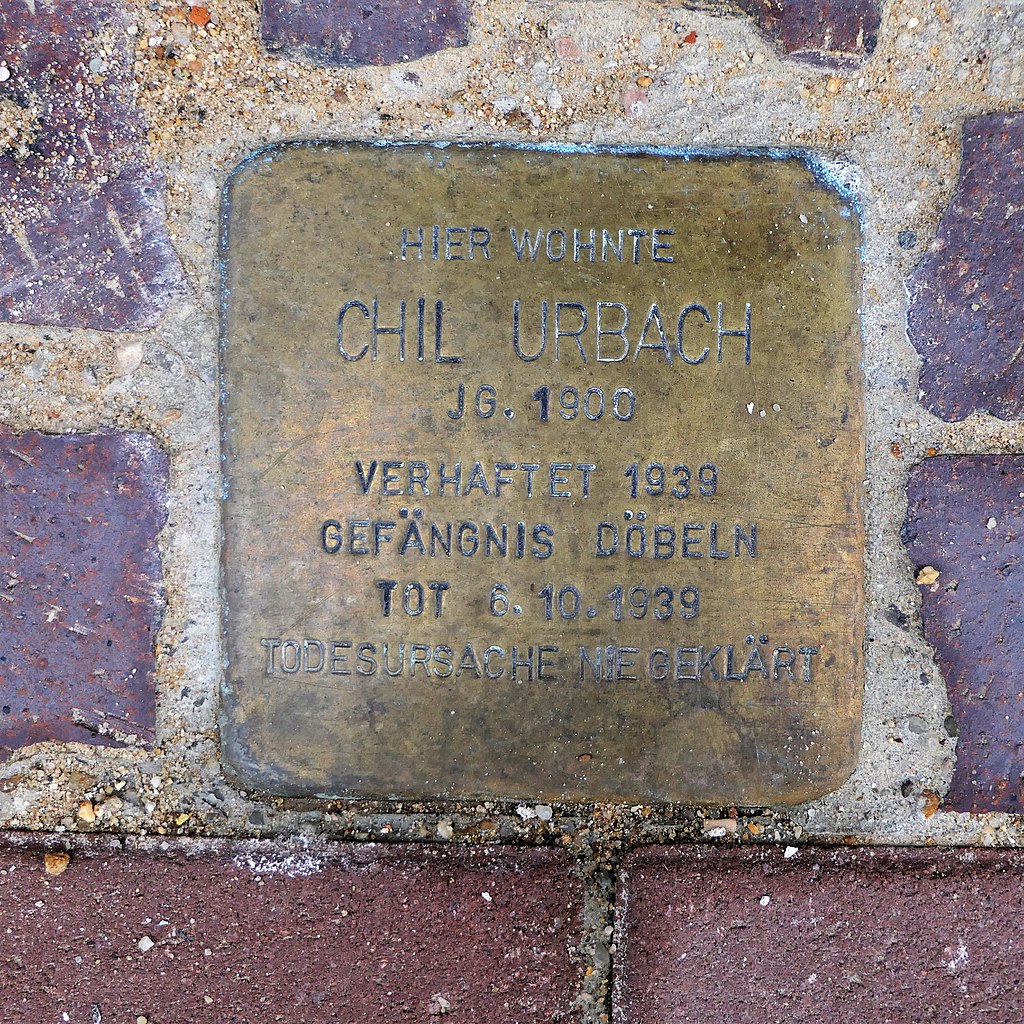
890, 129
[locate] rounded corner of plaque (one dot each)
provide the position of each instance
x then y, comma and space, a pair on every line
238, 760
240, 773
253, 161
839, 775
830, 782
837, 179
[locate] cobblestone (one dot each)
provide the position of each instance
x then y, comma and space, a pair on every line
351, 32
966, 307
83, 242
80, 587
965, 535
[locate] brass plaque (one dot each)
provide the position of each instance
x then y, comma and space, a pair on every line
542, 475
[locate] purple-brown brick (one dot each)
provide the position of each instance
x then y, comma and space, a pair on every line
965, 521
967, 295
80, 586
748, 936
837, 31
253, 933
83, 241
348, 32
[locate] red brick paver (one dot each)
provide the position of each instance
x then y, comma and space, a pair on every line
258, 932
747, 936
967, 304
80, 586
347, 32
965, 520
82, 235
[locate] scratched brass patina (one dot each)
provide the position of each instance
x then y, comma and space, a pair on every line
542, 475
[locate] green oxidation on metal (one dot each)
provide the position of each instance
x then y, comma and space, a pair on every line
542, 475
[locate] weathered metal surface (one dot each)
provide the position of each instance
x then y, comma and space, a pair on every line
966, 308
348, 32
80, 587
646, 581
752, 935
295, 934
82, 235
965, 522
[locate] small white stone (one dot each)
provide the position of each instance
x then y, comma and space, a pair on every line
5, 72
991, 524
750, 408
765, 900
791, 851
488, 898
145, 944
544, 812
